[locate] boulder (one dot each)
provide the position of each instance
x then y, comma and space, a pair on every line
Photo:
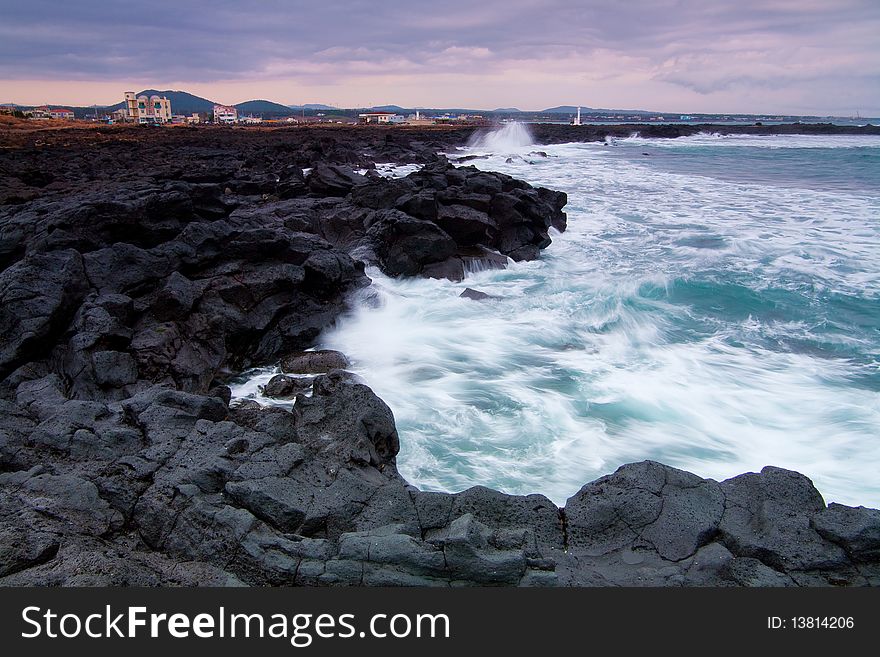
286, 387
319, 361
767, 516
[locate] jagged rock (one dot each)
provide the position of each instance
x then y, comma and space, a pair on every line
466, 225
67, 500
176, 298
330, 180
404, 244
347, 419
38, 297
277, 501
382, 193
857, 529
41, 397
652, 524
484, 183
426, 223
114, 368
421, 205
21, 549
468, 555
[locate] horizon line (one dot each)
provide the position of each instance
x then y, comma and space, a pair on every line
462, 107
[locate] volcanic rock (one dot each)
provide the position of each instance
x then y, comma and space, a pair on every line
314, 362
286, 387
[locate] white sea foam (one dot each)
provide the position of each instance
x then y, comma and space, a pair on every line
657, 326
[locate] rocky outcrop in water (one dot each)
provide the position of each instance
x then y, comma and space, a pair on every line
438, 221
125, 300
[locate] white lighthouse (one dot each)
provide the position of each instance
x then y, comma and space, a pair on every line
577, 120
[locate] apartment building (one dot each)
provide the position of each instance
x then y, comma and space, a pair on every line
143, 109
225, 114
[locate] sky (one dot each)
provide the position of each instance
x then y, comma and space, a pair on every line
818, 57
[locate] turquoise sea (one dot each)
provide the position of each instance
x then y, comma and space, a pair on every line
714, 305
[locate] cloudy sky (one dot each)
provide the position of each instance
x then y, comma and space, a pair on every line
776, 56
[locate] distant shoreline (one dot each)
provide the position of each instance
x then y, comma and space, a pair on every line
556, 133
27, 134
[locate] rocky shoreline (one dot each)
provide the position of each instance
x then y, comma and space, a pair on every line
140, 268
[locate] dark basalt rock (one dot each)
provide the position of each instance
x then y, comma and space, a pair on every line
126, 299
286, 387
38, 297
649, 524
330, 180
314, 362
403, 245
339, 404
423, 224
382, 193
856, 529
466, 225
452, 269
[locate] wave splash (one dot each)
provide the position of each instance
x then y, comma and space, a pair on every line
504, 139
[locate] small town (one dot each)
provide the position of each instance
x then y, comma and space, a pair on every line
155, 109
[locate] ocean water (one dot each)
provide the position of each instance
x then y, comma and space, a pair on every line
713, 305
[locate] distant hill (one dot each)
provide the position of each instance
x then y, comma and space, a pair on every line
566, 109
262, 107
312, 106
388, 108
181, 101
508, 110
572, 109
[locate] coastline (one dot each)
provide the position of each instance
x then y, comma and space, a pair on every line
134, 265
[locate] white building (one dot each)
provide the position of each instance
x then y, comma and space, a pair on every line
41, 112
225, 114
61, 113
376, 117
141, 109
